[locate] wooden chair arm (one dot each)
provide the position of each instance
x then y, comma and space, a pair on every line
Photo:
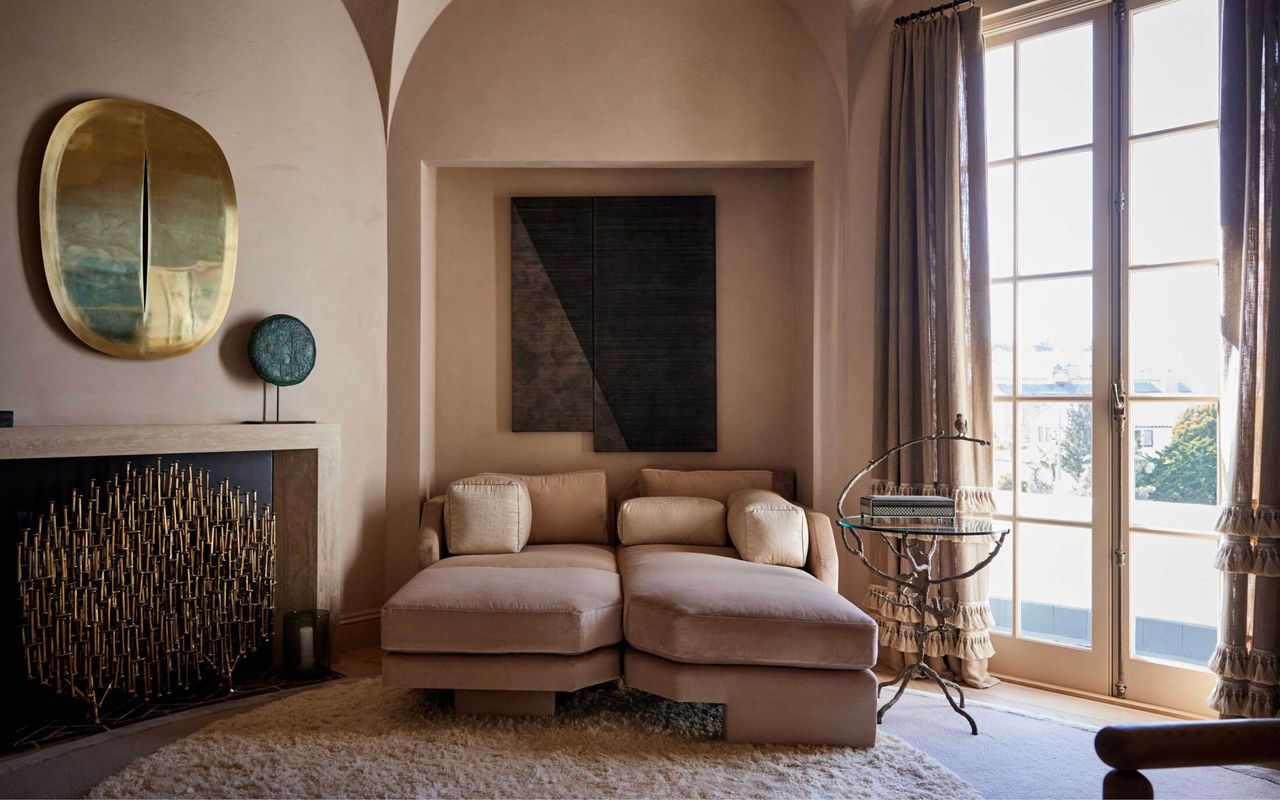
1168, 745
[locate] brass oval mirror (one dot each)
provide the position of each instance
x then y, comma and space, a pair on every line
138, 228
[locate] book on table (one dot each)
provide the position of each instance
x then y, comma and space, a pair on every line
930, 509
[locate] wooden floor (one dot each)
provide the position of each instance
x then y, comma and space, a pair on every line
366, 662
1050, 704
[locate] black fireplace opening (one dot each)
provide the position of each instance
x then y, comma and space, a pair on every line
36, 715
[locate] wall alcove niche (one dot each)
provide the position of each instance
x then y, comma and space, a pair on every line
732, 98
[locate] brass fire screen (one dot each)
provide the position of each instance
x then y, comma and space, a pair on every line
146, 585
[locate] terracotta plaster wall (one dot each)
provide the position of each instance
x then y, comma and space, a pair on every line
757, 213
608, 84
286, 90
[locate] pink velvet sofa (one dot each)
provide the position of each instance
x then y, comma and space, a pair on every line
779, 647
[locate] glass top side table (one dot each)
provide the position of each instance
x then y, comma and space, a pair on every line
916, 547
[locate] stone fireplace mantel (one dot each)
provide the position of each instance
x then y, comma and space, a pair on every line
305, 471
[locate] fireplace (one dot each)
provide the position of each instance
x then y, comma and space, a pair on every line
295, 471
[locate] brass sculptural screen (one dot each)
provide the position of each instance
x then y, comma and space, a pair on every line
138, 228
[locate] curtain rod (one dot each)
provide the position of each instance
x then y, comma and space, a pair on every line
929, 12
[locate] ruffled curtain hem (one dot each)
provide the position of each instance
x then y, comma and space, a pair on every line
1238, 554
970, 616
971, 645
1242, 519
1244, 699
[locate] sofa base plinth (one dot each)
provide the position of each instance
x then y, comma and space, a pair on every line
769, 705
503, 703
503, 672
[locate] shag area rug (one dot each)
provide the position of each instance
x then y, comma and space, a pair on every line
361, 739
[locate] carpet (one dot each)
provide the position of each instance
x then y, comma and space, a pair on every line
360, 739
1018, 754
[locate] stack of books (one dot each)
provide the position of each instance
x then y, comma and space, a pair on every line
927, 511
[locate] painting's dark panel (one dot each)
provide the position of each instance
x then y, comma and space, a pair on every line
655, 323
551, 335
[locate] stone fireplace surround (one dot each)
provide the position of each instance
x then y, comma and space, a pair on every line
305, 469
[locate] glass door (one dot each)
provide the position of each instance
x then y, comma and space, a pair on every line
1170, 363
1047, 98
1102, 138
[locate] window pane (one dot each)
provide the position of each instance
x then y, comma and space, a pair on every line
998, 76
1002, 445
1175, 65
1174, 465
1002, 338
1055, 214
1000, 220
1054, 569
1055, 90
1000, 587
1173, 198
1174, 341
1055, 337
1055, 461
1174, 597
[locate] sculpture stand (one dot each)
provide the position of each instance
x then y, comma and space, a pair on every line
277, 420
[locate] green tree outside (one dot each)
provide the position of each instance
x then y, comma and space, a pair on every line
1186, 469
1077, 446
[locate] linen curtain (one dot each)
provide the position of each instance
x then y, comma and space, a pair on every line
933, 327
1249, 552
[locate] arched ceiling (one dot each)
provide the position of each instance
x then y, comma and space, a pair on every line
391, 31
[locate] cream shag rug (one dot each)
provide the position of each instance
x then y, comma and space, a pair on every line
361, 739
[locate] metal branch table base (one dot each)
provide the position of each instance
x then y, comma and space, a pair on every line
915, 548
921, 668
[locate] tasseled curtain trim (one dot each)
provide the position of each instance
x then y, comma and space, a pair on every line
1237, 554
1264, 668
1228, 697
1247, 682
1230, 661
1242, 699
1243, 520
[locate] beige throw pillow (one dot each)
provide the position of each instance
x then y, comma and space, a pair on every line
766, 529
486, 514
716, 484
568, 507
672, 520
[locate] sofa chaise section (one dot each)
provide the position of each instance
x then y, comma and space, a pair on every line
779, 647
504, 631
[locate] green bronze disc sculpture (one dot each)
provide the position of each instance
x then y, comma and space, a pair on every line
282, 350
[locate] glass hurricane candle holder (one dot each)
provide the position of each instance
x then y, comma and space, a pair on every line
306, 643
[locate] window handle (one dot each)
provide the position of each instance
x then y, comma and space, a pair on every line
1119, 403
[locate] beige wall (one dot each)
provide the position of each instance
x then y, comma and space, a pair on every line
757, 216
613, 83
285, 89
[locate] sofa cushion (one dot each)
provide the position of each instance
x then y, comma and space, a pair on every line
486, 514
716, 484
704, 605
766, 529
568, 507
672, 520
545, 599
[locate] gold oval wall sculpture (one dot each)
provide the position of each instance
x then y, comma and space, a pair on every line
138, 227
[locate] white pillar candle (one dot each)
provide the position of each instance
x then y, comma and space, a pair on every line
307, 647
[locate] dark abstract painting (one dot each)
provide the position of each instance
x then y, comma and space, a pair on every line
614, 320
